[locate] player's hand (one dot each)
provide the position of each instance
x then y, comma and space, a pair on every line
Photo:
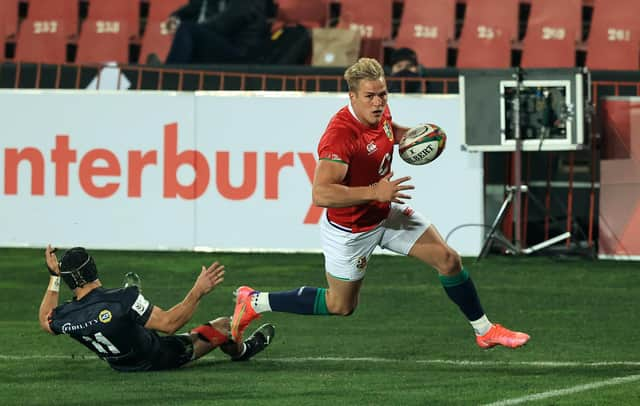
51, 261
209, 278
387, 190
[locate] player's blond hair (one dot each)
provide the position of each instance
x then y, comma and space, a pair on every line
365, 68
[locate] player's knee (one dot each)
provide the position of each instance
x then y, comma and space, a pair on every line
450, 264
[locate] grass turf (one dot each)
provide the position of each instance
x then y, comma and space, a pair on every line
406, 344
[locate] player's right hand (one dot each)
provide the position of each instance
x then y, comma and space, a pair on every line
209, 278
51, 260
387, 190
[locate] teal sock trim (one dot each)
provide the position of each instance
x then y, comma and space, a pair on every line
320, 305
450, 281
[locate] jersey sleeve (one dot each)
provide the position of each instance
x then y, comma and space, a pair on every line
53, 325
336, 145
136, 306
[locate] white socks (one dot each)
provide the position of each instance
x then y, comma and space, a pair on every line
481, 326
260, 302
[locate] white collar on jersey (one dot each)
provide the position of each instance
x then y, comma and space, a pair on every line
353, 113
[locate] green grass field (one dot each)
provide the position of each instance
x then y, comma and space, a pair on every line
406, 344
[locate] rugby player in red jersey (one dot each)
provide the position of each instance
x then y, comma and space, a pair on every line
366, 208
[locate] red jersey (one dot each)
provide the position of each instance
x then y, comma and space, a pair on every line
368, 152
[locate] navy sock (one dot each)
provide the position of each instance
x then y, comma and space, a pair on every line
305, 300
462, 292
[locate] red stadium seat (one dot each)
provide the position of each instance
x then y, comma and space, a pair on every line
614, 37
8, 19
125, 12
310, 13
426, 27
553, 29
65, 12
103, 41
160, 10
156, 39
373, 19
42, 42
489, 28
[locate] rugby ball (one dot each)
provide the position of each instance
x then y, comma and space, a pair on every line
422, 144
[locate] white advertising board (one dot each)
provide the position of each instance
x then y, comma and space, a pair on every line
204, 170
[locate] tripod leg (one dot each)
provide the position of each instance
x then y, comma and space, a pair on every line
491, 234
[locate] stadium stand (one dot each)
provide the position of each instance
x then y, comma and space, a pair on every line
42, 42
44, 34
426, 26
8, 23
489, 28
373, 19
553, 29
614, 38
103, 41
125, 13
156, 39
309, 13
107, 32
65, 12
8, 18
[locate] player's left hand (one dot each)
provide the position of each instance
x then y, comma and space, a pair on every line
51, 260
209, 278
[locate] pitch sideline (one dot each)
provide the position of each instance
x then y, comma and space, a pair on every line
566, 391
540, 364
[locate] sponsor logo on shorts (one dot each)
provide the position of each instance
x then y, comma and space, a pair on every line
104, 316
408, 211
361, 263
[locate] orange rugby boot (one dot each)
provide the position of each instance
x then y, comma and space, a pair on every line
499, 335
243, 314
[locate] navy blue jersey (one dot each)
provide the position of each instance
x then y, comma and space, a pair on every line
110, 322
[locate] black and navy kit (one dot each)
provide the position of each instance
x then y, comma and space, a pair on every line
110, 322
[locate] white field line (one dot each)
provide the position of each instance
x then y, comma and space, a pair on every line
540, 364
567, 391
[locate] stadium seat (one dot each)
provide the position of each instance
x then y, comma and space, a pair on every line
103, 41
156, 38
373, 19
489, 28
42, 42
426, 27
8, 19
160, 10
552, 31
614, 37
310, 13
125, 12
65, 12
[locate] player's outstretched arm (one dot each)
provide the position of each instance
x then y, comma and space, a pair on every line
50, 298
173, 319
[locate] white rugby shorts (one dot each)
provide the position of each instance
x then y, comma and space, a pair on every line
346, 254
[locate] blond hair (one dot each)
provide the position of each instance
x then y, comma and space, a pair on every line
364, 69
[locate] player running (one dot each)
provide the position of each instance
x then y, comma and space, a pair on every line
366, 208
120, 325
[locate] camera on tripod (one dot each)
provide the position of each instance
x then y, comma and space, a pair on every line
551, 109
